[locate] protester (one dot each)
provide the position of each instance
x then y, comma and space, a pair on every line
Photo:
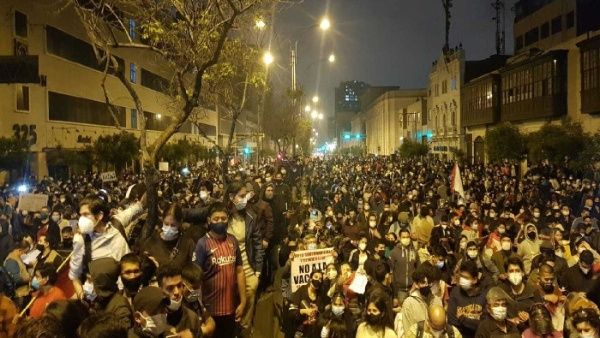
377, 322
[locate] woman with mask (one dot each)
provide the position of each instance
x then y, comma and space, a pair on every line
336, 322
242, 225
586, 323
359, 256
377, 322
306, 305
168, 245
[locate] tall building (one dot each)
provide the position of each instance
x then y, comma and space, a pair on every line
554, 74
50, 90
347, 105
382, 119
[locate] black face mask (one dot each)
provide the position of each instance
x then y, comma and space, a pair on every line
316, 284
531, 235
132, 285
40, 247
425, 290
374, 320
67, 242
547, 287
219, 228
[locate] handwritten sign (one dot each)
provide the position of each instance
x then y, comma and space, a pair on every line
33, 202
109, 176
307, 261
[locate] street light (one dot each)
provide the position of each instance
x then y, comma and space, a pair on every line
307, 109
314, 115
320, 116
260, 24
268, 58
315, 99
325, 24
158, 116
331, 58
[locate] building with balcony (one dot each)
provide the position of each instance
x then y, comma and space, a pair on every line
50, 88
414, 122
539, 86
383, 117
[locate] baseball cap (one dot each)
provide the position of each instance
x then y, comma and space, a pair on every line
150, 299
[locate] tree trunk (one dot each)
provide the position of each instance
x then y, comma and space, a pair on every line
152, 178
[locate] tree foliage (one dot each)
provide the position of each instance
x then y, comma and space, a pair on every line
13, 153
184, 152
412, 149
504, 141
114, 151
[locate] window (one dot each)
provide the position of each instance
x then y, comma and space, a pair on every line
532, 36
68, 108
132, 29
21, 25
444, 87
437, 89
556, 25
545, 30
570, 19
154, 81
519, 42
22, 98
134, 118
132, 72
69, 47
453, 83
590, 78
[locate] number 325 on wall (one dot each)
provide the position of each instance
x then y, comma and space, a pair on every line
26, 133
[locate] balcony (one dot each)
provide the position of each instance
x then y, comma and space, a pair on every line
590, 75
481, 98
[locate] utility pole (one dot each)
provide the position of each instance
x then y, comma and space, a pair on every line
500, 19
447, 6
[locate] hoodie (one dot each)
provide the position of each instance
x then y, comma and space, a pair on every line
528, 249
466, 311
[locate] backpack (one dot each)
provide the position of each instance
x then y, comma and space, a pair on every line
7, 285
421, 326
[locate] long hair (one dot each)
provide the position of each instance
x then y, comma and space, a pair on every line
383, 303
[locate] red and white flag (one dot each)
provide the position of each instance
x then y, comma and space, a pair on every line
456, 184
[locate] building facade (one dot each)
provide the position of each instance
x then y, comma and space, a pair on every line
414, 122
383, 117
555, 77
50, 90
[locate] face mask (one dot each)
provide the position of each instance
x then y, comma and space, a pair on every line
332, 274
531, 235
372, 224
312, 246
373, 319
444, 226
405, 241
457, 222
156, 324
501, 230
366, 208
43, 215
463, 245
565, 212
203, 195
175, 305
362, 246
515, 278
316, 284
86, 225
536, 214
55, 218
547, 287
472, 254
506, 246
219, 228
89, 292
439, 264
132, 285
499, 313
241, 204
584, 270
589, 334
35, 283
337, 310
425, 290
464, 283
492, 214
24, 213
169, 233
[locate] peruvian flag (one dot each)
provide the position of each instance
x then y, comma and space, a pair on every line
456, 181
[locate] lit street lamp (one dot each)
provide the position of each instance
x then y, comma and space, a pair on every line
314, 115
260, 24
307, 109
315, 99
325, 24
268, 58
320, 116
331, 58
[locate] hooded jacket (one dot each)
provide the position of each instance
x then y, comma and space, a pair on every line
528, 249
105, 272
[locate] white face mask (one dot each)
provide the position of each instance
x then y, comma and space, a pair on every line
515, 278
463, 245
499, 313
362, 246
55, 218
337, 310
506, 246
536, 214
405, 241
86, 225
465, 283
88, 291
169, 233
372, 224
203, 195
472, 253
311, 246
174, 305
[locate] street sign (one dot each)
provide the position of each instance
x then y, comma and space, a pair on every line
109, 176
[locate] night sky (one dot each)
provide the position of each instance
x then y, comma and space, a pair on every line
381, 42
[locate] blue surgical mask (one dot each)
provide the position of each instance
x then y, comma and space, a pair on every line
35, 283
169, 232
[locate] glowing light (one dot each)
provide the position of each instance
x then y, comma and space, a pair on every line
314, 115
331, 58
307, 109
268, 58
158, 116
315, 99
325, 24
260, 24
22, 188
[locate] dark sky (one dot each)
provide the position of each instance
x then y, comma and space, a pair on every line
381, 42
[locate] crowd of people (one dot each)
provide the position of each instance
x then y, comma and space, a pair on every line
515, 254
